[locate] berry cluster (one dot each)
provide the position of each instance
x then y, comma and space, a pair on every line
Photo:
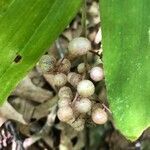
75, 89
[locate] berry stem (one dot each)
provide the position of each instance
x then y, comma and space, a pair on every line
96, 53
104, 106
44, 131
75, 98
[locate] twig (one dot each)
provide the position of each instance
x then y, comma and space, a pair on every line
50, 121
43, 109
44, 131
12, 113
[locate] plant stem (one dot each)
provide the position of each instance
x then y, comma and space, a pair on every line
84, 33
87, 139
84, 26
84, 30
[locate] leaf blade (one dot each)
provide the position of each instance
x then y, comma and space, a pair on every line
125, 28
31, 48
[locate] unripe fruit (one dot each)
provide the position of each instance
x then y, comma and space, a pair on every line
83, 105
47, 63
74, 78
86, 88
81, 68
62, 102
99, 116
60, 79
65, 113
79, 46
65, 65
96, 74
65, 92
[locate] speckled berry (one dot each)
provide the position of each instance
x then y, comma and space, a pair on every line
64, 65
65, 92
60, 79
78, 124
47, 63
74, 78
62, 102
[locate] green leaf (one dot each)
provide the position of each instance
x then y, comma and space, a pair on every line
27, 29
126, 44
